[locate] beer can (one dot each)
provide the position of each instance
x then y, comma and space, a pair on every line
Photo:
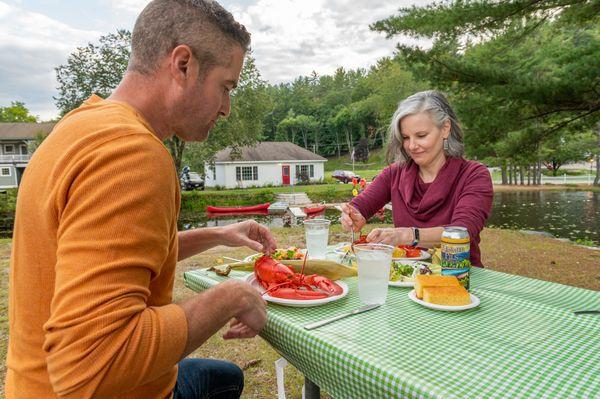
456, 248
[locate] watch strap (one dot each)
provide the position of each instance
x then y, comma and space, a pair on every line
416, 236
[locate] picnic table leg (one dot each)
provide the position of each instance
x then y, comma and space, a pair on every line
311, 390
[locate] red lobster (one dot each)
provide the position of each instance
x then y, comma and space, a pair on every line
282, 282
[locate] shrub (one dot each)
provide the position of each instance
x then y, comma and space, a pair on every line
303, 178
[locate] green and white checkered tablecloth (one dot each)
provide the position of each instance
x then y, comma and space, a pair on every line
523, 341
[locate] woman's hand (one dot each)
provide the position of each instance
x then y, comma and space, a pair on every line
352, 219
250, 234
391, 236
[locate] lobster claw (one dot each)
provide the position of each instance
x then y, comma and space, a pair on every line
324, 284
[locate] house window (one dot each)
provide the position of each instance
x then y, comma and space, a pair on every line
5, 172
246, 173
23, 150
9, 149
214, 173
309, 170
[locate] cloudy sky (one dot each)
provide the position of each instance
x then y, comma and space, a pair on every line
289, 38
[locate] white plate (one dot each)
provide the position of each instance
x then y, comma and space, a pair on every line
338, 248
403, 284
251, 279
424, 254
474, 303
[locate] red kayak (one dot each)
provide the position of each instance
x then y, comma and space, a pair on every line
238, 209
314, 209
234, 214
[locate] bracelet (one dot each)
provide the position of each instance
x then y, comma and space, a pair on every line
416, 236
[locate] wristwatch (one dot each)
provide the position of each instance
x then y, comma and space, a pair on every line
416, 237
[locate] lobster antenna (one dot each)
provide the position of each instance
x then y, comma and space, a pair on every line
304, 263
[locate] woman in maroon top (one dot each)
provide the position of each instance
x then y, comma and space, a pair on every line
430, 184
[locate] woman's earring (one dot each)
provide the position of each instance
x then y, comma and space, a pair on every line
446, 145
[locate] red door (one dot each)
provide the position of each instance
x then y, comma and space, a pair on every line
285, 175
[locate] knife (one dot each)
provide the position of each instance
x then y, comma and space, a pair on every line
311, 326
586, 312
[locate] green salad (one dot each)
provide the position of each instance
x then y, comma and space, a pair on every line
401, 272
405, 272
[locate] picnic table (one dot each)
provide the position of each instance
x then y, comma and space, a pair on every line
523, 341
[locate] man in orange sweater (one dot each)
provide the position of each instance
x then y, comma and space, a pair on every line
95, 237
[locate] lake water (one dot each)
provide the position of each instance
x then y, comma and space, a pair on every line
574, 215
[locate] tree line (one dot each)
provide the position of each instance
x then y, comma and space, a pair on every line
330, 114
521, 74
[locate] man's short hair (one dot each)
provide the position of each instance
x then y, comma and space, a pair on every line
203, 25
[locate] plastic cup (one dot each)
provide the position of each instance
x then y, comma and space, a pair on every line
374, 262
317, 236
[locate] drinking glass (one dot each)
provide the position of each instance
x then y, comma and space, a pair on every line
317, 235
374, 262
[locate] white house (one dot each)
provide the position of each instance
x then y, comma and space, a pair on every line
14, 153
277, 163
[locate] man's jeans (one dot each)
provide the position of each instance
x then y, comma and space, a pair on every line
207, 378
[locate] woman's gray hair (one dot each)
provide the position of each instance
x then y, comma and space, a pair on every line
435, 104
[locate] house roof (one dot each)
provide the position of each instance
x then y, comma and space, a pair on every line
269, 151
24, 131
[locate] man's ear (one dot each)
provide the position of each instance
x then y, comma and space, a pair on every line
183, 65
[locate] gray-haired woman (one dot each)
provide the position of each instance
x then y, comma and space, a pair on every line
430, 184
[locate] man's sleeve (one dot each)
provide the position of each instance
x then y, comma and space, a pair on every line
114, 234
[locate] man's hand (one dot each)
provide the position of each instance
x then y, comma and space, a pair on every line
251, 318
391, 236
232, 301
238, 330
250, 234
352, 219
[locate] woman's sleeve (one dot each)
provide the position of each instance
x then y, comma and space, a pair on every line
475, 202
376, 195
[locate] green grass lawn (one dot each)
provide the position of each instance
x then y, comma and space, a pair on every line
376, 161
502, 250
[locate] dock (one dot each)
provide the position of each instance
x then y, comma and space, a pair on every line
296, 199
297, 212
278, 207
